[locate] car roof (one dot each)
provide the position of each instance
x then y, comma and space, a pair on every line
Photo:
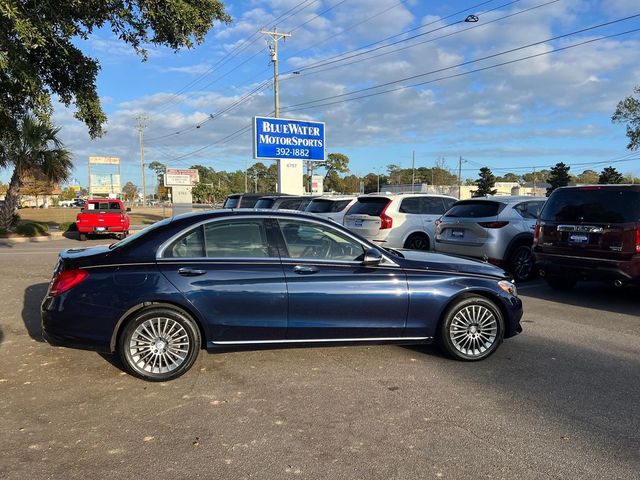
506, 199
220, 212
336, 198
404, 195
619, 186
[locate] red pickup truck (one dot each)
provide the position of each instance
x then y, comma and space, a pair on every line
103, 217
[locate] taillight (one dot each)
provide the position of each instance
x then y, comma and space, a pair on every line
638, 239
536, 234
385, 220
66, 280
438, 221
493, 224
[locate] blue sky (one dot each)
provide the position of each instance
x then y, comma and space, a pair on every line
534, 112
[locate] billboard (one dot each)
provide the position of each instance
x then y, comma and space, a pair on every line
281, 138
181, 177
104, 160
105, 183
317, 184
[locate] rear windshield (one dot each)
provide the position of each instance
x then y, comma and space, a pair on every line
96, 207
231, 202
264, 203
600, 205
475, 209
369, 206
327, 206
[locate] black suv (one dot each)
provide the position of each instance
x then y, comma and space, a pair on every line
242, 200
589, 233
285, 202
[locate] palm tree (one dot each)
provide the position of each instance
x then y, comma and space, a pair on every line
37, 149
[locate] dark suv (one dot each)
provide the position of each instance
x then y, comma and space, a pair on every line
285, 202
589, 233
242, 200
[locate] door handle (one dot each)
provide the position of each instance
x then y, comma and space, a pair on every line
305, 270
191, 272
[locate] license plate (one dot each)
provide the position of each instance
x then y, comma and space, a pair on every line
357, 223
100, 229
457, 233
578, 238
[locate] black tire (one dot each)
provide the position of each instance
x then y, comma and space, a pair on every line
521, 262
83, 237
180, 344
462, 338
561, 283
417, 241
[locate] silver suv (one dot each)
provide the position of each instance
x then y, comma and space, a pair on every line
404, 220
498, 229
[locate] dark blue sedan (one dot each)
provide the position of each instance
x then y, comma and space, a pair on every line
251, 277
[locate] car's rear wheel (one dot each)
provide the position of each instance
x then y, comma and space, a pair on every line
417, 241
471, 329
520, 263
159, 344
558, 282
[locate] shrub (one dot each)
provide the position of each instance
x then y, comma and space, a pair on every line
15, 218
3, 230
32, 229
68, 227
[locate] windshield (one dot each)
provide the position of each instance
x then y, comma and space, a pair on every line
594, 204
144, 231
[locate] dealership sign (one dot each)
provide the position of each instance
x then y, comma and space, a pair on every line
280, 138
181, 177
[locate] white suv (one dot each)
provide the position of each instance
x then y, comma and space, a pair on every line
405, 220
333, 208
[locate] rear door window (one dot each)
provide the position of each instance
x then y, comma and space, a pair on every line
410, 205
529, 210
596, 205
475, 209
432, 206
372, 206
320, 206
265, 203
292, 204
231, 202
240, 239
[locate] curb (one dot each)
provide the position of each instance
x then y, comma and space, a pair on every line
43, 238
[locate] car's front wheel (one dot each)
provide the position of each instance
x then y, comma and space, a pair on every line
159, 344
472, 329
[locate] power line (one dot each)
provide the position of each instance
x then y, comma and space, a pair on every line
430, 40
308, 104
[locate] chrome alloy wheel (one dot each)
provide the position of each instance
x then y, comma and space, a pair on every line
473, 330
159, 345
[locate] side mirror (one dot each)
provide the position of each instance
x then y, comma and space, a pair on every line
372, 257
128, 209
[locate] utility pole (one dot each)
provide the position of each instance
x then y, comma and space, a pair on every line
413, 172
459, 176
141, 125
275, 36
534, 181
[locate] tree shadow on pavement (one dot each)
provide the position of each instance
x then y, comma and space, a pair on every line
33, 296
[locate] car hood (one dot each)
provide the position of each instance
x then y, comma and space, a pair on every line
453, 263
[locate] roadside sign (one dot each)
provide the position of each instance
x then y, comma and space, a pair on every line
281, 138
181, 177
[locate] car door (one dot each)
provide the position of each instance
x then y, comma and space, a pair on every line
332, 295
230, 271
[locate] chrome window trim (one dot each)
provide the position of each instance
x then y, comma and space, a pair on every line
386, 260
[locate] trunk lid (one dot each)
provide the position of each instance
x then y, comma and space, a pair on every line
365, 216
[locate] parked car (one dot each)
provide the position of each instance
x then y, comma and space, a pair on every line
590, 233
103, 217
79, 202
66, 203
242, 200
284, 202
404, 220
333, 208
254, 277
498, 229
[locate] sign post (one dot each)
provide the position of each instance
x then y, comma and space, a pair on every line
289, 142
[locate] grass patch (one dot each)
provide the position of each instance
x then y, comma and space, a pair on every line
138, 216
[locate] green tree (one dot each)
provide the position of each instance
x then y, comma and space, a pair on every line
558, 177
335, 162
40, 57
130, 191
610, 175
588, 177
36, 150
628, 113
485, 183
68, 194
160, 169
509, 177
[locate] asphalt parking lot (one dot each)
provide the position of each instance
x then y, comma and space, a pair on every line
562, 400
